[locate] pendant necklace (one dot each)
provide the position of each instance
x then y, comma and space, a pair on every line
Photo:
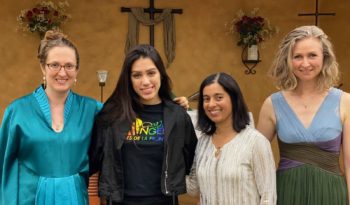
305, 106
57, 128
217, 152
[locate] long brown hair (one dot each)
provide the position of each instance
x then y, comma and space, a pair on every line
124, 103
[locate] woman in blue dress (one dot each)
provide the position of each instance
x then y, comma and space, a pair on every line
311, 119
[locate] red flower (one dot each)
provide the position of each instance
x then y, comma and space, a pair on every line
252, 29
45, 10
29, 14
43, 16
36, 10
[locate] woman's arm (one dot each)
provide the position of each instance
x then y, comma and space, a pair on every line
192, 186
190, 157
345, 115
190, 143
264, 170
267, 120
9, 142
96, 149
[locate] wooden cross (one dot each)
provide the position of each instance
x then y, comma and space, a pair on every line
317, 14
152, 10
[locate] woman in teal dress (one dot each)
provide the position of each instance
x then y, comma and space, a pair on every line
44, 136
311, 119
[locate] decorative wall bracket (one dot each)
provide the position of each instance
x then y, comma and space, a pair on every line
250, 58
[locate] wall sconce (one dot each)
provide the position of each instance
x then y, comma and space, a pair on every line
250, 58
102, 78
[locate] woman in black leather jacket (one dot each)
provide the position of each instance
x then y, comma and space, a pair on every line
143, 144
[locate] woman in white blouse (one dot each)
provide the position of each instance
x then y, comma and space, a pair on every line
234, 162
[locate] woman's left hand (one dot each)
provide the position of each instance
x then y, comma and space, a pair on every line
182, 101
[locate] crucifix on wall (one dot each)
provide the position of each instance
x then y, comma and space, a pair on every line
316, 14
150, 17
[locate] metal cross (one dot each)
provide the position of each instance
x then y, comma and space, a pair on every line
316, 14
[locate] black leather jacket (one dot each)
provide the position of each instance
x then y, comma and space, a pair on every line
179, 146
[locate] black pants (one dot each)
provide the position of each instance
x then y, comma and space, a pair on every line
152, 200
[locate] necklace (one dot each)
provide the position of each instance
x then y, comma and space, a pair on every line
57, 128
305, 106
309, 101
217, 152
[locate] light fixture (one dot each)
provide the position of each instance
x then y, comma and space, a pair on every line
102, 78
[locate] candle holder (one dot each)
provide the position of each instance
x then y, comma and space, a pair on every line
250, 58
102, 78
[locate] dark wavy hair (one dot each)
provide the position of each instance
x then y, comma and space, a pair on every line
240, 117
124, 102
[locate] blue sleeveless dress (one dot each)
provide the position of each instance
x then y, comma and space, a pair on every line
303, 176
38, 165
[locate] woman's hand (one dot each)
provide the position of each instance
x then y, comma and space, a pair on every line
182, 101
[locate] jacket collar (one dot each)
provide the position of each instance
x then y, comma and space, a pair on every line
169, 116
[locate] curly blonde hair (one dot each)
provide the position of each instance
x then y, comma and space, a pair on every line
282, 70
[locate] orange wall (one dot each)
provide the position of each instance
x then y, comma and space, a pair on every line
99, 30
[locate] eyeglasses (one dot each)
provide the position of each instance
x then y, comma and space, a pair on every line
57, 67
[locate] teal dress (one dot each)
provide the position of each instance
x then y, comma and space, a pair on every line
41, 166
309, 172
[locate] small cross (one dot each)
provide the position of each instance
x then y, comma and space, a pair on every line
317, 14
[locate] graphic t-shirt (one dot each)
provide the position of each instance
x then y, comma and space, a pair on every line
143, 152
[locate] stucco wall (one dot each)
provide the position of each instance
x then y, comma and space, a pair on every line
99, 29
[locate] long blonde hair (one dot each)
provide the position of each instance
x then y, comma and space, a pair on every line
282, 70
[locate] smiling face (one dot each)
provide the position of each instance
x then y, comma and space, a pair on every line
145, 79
307, 59
59, 81
217, 104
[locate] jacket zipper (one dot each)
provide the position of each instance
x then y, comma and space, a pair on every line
166, 173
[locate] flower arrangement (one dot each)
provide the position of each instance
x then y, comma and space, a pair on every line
43, 16
252, 29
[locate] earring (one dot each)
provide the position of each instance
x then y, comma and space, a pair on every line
75, 81
44, 81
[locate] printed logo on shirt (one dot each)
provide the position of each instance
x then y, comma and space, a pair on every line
143, 131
